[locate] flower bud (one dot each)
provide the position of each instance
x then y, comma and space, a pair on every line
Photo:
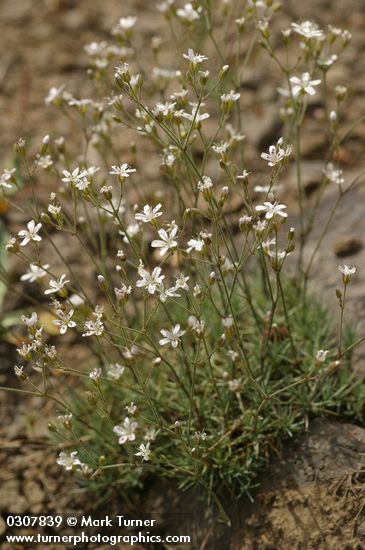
223, 71
102, 283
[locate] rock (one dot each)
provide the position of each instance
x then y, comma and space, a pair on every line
347, 245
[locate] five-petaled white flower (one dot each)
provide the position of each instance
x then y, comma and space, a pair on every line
69, 462
167, 239
232, 96
205, 184
347, 272
6, 176
181, 282
150, 281
194, 58
123, 171
64, 321
195, 244
272, 209
56, 284
144, 451
126, 431
195, 115
30, 321
308, 29
171, 337
34, 273
31, 233
303, 85
277, 153
93, 327
189, 13
76, 177
148, 214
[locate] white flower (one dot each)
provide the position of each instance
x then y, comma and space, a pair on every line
122, 293
54, 209
55, 95
93, 327
347, 272
24, 350
122, 171
197, 326
19, 372
197, 291
227, 322
131, 408
126, 431
64, 321
69, 462
164, 109
150, 281
195, 115
30, 321
6, 176
195, 244
144, 451
205, 184
303, 85
56, 284
234, 134
277, 153
194, 57
165, 293
220, 148
272, 209
167, 239
148, 214
308, 29
244, 175
171, 337
189, 13
321, 355
334, 175
181, 282
76, 177
131, 231
266, 188
124, 24
31, 233
231, 97
150, 434
115, 371
34, 273
44, 161
95, 374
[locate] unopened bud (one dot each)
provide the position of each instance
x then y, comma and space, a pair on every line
102, 283
223, 71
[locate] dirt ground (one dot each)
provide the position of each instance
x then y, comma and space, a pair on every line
311, 496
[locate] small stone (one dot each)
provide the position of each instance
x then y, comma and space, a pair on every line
2, 525
347, 245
